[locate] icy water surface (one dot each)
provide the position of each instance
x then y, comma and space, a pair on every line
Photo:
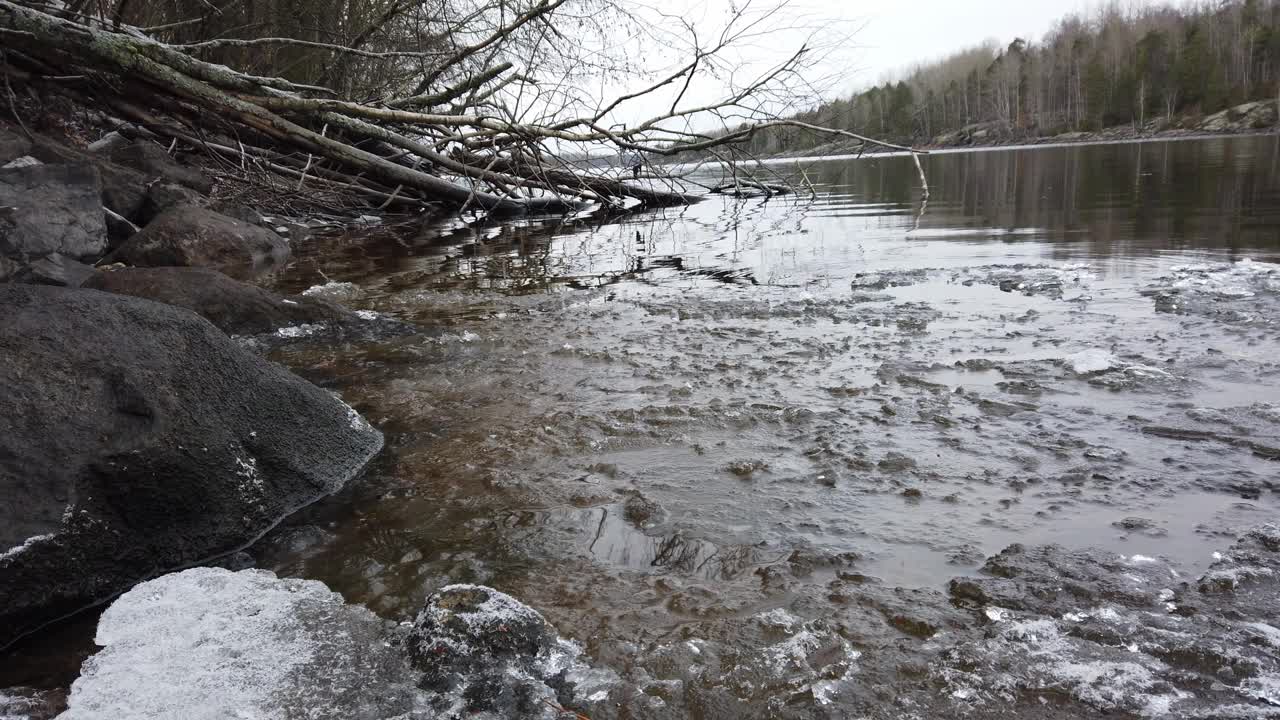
738, 450
659, 429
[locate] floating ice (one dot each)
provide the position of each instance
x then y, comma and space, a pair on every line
1091, 361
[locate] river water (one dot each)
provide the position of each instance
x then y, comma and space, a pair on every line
681, 435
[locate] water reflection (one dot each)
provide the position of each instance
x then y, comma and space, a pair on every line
1125, 204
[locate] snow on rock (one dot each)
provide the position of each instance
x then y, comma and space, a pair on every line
209, 643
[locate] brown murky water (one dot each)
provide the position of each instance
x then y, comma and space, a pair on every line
680, 431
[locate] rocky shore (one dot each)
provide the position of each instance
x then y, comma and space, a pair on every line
141, 429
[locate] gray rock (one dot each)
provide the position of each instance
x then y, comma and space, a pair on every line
24, 161
55, 209
123, 189
108, 142
136, 437
151, 160
234, 307
189, 236
239, 308
13, 145
119, 229
1051, 579
482, 645
163, 195
57, 270
238, 211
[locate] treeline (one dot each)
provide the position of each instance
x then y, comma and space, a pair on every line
1117, 67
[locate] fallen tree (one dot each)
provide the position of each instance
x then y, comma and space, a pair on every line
446, 119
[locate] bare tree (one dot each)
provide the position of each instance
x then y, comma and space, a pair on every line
473, 104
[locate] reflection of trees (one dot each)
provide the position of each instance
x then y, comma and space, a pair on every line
1117, 198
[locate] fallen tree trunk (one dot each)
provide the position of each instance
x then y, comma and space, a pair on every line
452, 141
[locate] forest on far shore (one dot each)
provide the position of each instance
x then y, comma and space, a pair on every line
1120, 66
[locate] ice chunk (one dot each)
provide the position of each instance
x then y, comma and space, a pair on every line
1092, 361
298, 331
333, 291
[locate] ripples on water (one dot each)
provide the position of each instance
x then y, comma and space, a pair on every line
655, 428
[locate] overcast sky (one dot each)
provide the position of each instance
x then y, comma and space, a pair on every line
900, 33
874, 39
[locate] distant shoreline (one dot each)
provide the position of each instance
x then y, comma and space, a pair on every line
835, 150
1248, 119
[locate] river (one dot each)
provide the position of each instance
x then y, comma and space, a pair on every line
680, 434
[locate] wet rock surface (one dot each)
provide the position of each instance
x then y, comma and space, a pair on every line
110, 473
1126, 635
191, 236
51, 210
483, 653
239, 308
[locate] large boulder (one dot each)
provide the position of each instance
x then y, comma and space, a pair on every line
51, 209
190, 236
136, 438
237, 308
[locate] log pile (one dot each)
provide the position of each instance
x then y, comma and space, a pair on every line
445, 140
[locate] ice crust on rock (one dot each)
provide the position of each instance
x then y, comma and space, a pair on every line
208, 643
1149, 645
